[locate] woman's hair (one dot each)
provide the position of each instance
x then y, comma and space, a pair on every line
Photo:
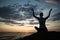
41, 14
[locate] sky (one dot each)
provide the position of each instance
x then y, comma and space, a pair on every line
16, 15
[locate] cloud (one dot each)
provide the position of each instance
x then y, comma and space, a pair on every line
33, 22
56, 16
20, 14
51, 1
3, 0
37, 0
6, 20
11, 22
10, 15
5, 12
30, 5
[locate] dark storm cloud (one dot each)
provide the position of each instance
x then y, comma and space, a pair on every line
58, 0
11, 12
27, 9
3, 0
27, 13
30, 5
5, 12
56, 17
8, 13
39, 0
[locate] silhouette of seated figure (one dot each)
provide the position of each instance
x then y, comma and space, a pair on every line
41, 20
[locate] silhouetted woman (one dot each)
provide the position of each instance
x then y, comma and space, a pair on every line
42, 26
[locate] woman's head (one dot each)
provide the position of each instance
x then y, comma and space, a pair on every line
41, 14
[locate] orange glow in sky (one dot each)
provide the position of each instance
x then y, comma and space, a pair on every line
15, 28
26, 28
